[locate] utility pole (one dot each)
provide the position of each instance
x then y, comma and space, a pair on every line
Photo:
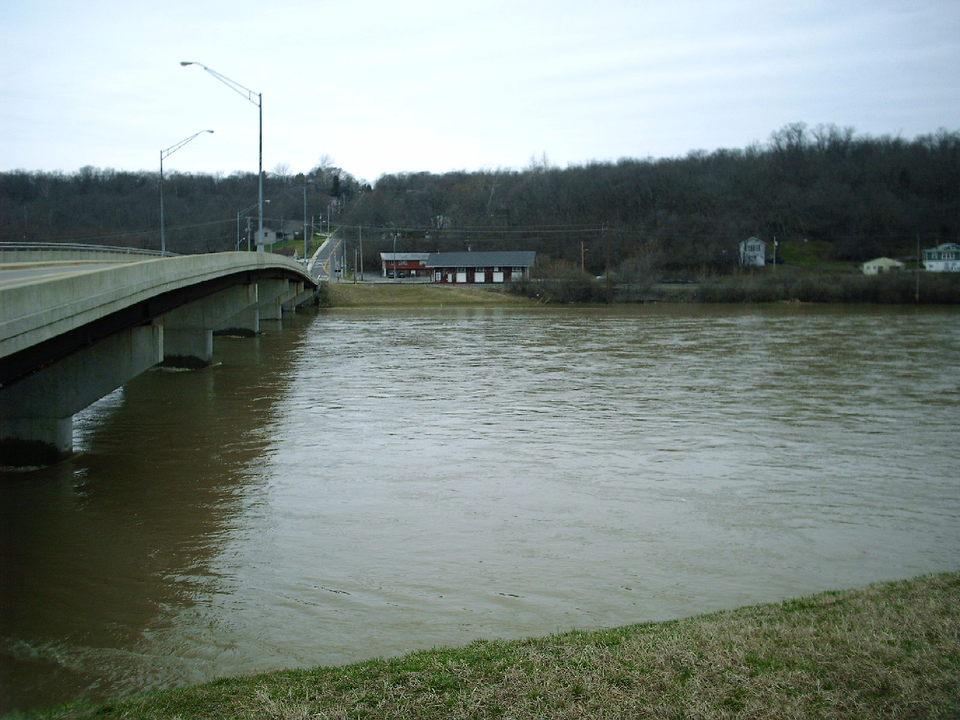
916, 294
395, 255
305, 219
361, 251
583, 252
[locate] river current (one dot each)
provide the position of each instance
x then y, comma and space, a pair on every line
362, 483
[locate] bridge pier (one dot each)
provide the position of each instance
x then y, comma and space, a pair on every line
188, 330
246, 323
273, 293
296, 296
37, 411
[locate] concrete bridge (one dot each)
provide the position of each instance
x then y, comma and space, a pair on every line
74, 327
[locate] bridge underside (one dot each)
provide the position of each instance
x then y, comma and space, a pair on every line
43, 386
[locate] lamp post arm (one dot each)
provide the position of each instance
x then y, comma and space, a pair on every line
173, 148
251, 96
254, 98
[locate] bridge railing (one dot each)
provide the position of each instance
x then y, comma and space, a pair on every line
78, 247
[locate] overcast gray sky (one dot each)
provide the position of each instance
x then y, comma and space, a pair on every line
431, 85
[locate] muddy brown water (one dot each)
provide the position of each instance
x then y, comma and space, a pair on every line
363, 483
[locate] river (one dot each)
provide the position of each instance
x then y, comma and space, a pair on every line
366, 482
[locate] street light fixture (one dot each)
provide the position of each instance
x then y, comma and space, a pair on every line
256, 99
163, 155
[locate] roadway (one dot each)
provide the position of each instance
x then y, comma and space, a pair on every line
323, 263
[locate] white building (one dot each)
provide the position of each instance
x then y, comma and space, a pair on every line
881, 265
943, 258
753, 252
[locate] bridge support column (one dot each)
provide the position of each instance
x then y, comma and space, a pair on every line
272, 294
296, 297
36, 412
188, 330
187, 347
246, 323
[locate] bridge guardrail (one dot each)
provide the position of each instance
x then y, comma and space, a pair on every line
79, 247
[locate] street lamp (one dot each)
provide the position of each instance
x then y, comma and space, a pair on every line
165, 154
256, 99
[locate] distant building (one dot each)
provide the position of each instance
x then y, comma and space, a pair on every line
753, 252
480, 267
880, 265
404, 264
270, 237
943, 258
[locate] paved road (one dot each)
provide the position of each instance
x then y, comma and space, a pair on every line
326, 262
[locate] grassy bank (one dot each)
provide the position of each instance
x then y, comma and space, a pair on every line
885, 651
792, 285
417, 294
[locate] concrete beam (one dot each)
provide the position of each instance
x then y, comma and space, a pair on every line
36, 412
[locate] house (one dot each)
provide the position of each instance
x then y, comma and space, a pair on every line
290, 230
753, 252
881, 265
943, 258
270, 237
480, 267
404, 264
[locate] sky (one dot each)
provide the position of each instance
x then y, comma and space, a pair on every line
377, 87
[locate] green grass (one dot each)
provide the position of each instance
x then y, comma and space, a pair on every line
811, 255
885, 651
417, 294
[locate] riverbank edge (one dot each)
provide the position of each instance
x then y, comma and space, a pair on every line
885, 650
936, 289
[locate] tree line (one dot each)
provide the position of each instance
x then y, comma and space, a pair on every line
859, 196
202, 213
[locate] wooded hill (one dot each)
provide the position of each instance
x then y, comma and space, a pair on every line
852, 196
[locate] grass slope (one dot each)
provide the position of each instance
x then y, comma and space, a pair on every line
884, 651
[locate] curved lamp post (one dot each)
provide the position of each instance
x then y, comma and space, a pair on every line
256, 99
163, 155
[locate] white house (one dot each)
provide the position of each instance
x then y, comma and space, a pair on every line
753, 252
881, 265
943, 258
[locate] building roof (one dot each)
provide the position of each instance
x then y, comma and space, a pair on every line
403, 256
508, 258
883, 261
